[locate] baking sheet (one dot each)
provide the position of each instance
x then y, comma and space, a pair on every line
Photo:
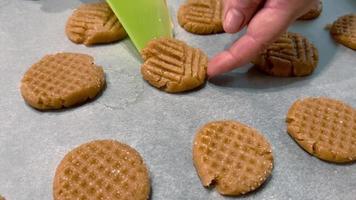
161, 126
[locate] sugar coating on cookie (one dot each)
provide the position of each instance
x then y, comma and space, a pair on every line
173, 66
94, 23
232, 156
62, 80
201, 16
290, 55
326, 128
313, 13
102, 169
343, 30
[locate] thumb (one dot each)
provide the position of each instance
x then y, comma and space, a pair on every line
237, 13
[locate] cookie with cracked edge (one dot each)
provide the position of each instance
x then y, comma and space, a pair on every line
62, 80
326, 128
201, 16
94, 23
343, 30
290, 55
235, 158
173, 66
313, 13
102, 169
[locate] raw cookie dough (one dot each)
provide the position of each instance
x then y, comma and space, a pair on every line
325, 128
62, 80
291, 55
232, 156
94, 23
343, 30
102, 169
173, 66
201, 16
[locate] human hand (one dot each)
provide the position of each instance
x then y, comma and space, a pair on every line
266, 20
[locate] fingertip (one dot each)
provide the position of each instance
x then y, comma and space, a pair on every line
219, 64
211, 72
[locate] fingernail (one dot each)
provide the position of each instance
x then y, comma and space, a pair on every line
233, 21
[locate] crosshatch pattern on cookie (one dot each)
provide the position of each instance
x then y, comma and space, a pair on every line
173, 66
324, 127
201, 16
94, 23
62, 80
102, 169
291, 55
343, 30
235, 157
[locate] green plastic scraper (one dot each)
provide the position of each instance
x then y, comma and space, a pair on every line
143, 20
